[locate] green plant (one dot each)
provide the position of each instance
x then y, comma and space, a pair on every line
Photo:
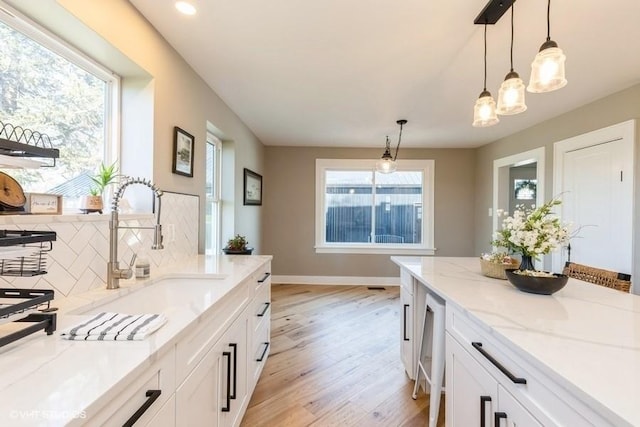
238, 243
105, 176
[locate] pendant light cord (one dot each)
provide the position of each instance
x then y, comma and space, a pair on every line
398, 147
485, 57
548, 20
512, 6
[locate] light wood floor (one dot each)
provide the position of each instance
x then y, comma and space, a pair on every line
335, 361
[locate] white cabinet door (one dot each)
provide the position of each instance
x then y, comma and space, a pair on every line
166, 416
198, 398
215, 393
511, 413
234, 390
472, 393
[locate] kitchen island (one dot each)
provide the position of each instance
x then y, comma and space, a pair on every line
578, 350
216, 336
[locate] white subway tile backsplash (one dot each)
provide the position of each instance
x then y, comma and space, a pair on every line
78, 259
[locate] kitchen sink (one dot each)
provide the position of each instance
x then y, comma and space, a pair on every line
163, 296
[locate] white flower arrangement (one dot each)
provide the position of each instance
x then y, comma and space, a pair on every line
532, 232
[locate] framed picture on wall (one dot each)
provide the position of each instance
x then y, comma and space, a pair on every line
252, 188
183, 148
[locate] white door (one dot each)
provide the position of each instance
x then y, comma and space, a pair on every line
597, 198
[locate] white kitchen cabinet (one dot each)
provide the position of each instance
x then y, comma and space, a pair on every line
260, 324
216, 390
142, 398
525, 396
474, 397
407, 313
234, 393
220, 370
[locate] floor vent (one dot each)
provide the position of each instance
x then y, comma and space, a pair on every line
375, 288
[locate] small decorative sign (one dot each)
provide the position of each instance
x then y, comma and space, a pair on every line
46, 204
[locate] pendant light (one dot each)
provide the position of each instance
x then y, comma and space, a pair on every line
484, 112
547, 68
387, 163
511, 93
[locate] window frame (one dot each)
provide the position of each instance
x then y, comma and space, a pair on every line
426, 166
112, 97
215, 198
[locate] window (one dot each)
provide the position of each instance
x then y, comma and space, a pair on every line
48, 87
359, 210
212, 195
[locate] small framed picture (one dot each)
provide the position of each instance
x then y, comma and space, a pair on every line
183, 148
252, 188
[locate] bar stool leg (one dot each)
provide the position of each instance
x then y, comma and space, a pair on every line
419, 367
435, 311
437, 364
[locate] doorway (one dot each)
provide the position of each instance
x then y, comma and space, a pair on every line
503, 187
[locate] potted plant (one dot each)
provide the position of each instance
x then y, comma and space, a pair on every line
237, 246
105, 176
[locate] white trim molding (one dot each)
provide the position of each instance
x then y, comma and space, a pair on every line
335, 280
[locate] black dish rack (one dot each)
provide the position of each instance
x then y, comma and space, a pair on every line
16, 302
33, 264
26, 305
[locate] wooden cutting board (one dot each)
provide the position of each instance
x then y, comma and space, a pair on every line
11, 194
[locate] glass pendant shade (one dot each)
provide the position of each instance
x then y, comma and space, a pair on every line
547, 69
511, 95
386, 165
484, 112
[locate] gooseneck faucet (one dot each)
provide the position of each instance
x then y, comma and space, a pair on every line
114, 272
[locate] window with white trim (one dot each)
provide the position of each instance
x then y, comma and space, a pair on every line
359, 210
50, 87
213, 203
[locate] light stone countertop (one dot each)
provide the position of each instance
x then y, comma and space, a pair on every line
45, 380
585, 337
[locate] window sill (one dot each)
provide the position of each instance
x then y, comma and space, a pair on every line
66, 218
375, 250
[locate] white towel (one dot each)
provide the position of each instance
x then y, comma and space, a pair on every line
115, 327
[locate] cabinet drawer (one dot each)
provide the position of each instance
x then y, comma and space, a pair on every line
141, 392
261, 308
406, 280
192, 348
540, 395
262, 277
260, 351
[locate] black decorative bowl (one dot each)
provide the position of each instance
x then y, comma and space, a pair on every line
537, 285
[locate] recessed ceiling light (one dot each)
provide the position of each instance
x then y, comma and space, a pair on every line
186, 8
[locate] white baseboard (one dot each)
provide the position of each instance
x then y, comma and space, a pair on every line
335, 280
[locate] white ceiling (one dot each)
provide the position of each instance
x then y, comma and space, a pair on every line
341, 72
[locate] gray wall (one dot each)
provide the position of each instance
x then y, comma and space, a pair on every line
613, 109
289, 210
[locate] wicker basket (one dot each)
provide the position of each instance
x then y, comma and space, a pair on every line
495, 270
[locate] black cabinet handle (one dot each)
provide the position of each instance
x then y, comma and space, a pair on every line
234, 346
490, 358
265, 277
264, 310
404, 323
152, 396
227, 408
483, 412
497, 417
264, 352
